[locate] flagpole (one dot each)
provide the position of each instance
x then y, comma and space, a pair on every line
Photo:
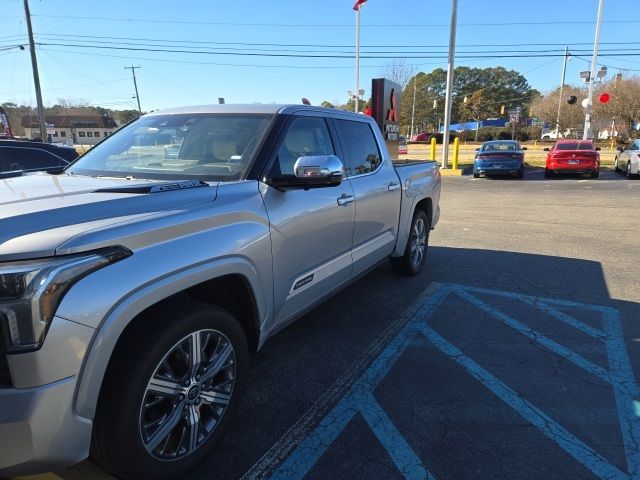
357, 92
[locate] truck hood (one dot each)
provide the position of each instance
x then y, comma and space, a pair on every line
40, 212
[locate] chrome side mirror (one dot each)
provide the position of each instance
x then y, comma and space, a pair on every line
318, 171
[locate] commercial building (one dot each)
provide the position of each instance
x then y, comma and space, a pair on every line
72, 129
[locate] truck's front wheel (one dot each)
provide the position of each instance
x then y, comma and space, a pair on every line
416, 250
170, 391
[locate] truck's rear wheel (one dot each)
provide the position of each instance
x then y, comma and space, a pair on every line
171, 389
416, 250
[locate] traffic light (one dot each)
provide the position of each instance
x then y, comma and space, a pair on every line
604, 97
572, 100
501, 109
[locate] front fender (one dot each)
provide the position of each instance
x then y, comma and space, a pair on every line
124, 311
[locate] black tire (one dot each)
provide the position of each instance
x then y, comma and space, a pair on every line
628, 173
520, 174
476, 175
408, 264
118, 431
616, 168
595, 174
548, 173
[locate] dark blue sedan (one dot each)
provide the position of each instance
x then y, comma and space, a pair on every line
499, 157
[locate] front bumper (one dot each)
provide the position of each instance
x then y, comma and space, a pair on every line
39, 431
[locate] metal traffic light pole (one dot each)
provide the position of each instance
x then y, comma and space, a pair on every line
588, 134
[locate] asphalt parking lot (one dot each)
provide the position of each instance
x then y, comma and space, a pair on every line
515, 354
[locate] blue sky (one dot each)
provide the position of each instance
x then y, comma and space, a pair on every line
393, 28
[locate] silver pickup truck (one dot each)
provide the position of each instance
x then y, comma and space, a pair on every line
134, 285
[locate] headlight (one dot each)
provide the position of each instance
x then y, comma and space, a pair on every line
30, 292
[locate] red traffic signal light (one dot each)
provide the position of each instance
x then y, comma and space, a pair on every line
572, 100
604, 97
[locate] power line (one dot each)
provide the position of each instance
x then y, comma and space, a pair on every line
467, 55
387, 52
307, 25
64, 37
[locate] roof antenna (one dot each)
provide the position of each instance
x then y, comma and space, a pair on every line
305, 101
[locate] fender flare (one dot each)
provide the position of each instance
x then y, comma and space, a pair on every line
127, 308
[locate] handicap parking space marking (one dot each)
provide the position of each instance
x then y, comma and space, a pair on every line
359, 398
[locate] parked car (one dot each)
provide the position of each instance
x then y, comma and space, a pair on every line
573, 156
133, 286
33, 156
499, 157
553, 134
628, 160
427, 136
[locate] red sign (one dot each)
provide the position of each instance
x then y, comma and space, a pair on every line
392, 114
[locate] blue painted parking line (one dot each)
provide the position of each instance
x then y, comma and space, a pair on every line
360, 400
570, 443
298, 464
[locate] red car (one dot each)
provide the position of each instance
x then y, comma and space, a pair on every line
573, 156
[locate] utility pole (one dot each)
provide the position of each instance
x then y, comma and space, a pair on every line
36, 77
447, 101
564, 74
135, 84
587, 134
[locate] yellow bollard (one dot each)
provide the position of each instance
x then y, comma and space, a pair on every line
611, 147
433, 148
456, 148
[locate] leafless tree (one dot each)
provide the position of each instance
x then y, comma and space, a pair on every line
624, 105
571, 116
398, 71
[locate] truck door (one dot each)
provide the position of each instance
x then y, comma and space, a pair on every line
377, 189
311, 230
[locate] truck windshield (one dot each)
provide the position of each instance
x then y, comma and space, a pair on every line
211, 147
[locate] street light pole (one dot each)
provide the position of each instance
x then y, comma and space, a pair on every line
36, 77
564, 74
447, 100
413, 109
588, 133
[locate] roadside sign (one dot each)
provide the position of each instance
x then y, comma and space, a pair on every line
514, 118
50, 128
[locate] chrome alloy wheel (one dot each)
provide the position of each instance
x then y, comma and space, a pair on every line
418, 241
187, 394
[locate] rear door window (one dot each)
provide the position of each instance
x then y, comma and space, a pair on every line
360, 147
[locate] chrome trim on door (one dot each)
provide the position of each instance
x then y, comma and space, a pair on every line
345, 199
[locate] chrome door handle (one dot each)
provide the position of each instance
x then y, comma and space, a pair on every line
393, 186
345, 199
